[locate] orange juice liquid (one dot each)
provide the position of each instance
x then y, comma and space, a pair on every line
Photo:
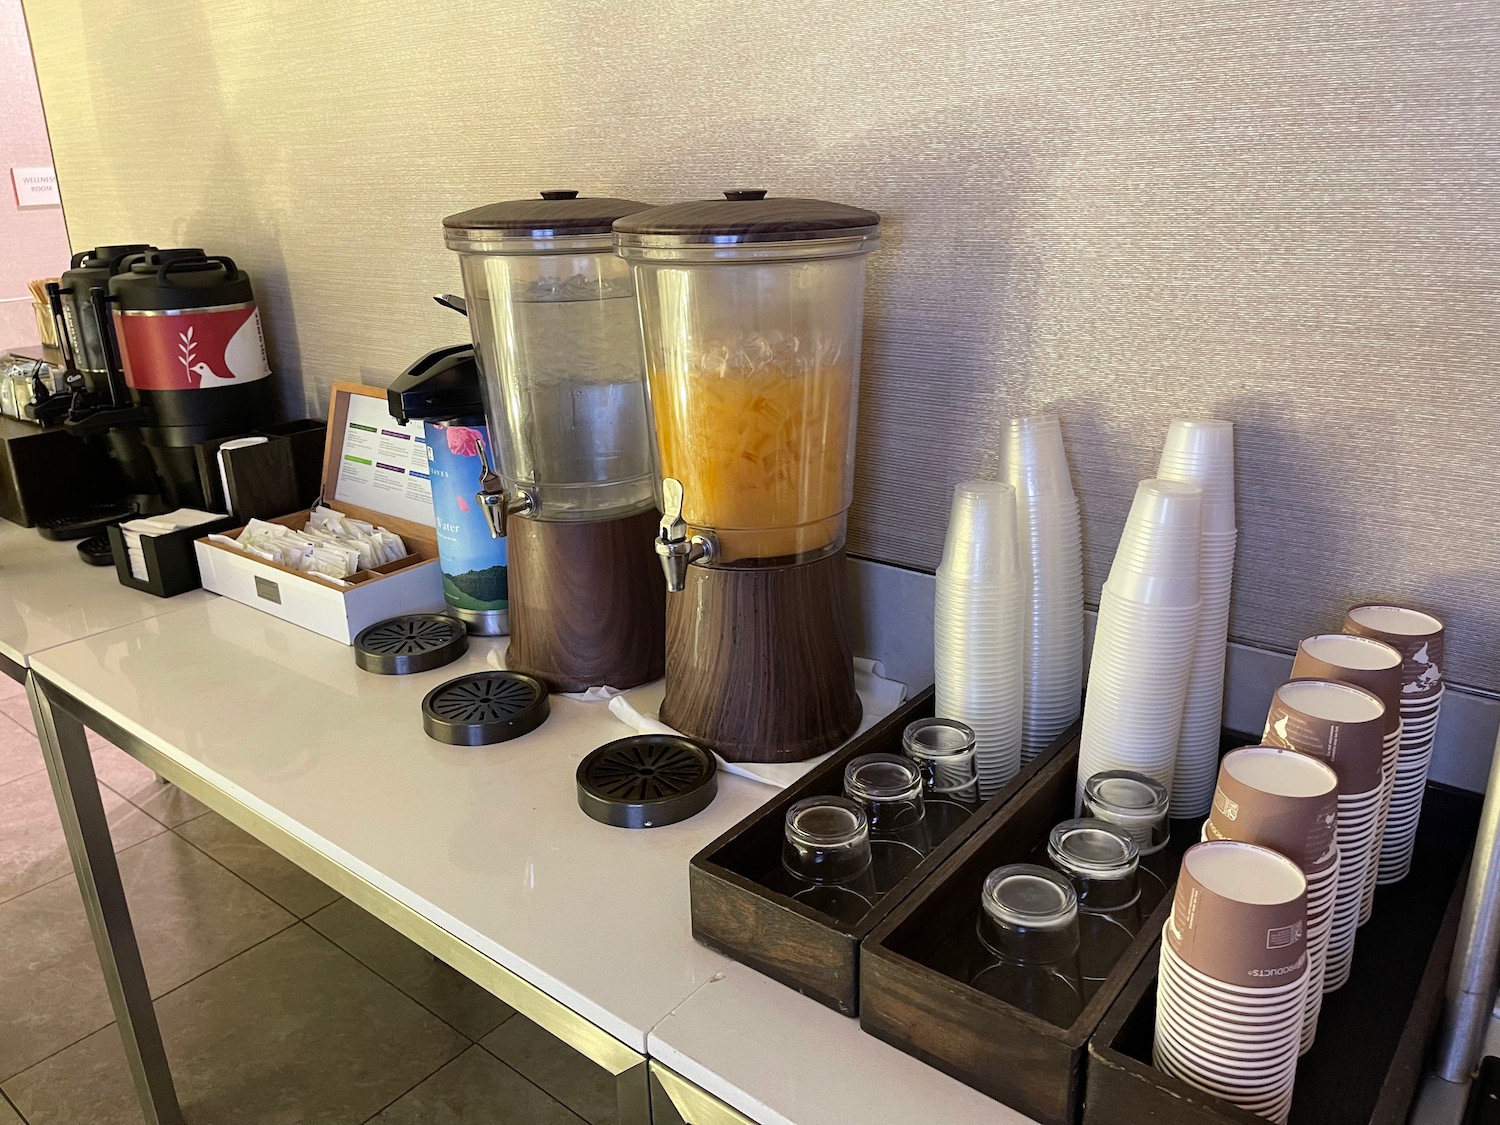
762, 457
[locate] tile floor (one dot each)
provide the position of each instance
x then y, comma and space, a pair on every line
280, 1002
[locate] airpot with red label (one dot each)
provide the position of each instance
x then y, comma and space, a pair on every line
189, 343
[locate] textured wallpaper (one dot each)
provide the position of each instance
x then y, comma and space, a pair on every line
1282, 212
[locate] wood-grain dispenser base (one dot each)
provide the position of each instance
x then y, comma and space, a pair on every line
759, 664
586, 602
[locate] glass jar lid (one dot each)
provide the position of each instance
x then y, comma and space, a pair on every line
743, 216
938, 738
519, 225
825, 822
1024, 894
1125, 794
1092, 849
882, 777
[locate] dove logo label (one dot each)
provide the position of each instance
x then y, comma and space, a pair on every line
192, 349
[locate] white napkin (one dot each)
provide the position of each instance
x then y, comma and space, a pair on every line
638, 709
149, 526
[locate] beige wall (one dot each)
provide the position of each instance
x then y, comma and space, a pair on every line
1280, 211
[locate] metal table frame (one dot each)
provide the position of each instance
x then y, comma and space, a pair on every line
61, 720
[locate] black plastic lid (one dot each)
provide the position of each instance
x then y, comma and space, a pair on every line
417, 642
102, 261
484, 708
443, 384
647, 780
179, 279
746, 215
553, 214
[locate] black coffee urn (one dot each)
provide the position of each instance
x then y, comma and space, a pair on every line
186, 341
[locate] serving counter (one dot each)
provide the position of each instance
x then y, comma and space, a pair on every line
479, 855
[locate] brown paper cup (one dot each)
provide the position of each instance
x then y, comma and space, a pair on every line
1240, 915
1340, 723
1352, 659
1280, 799
1416, 635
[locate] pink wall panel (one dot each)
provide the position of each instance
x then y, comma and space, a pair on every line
33, 242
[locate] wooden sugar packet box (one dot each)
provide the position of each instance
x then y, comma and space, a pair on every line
787, 940
374, 470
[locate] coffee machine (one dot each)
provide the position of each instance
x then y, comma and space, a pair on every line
93, 401
553, 318
184, 336
751, 311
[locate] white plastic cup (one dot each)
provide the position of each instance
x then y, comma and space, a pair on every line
1033, 461
977, 628
1162, 532
981, 539
1032, 457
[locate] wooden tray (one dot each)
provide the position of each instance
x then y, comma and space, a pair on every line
912, 991
1364, 1067
787, 940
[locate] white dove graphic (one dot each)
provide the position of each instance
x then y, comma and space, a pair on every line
202, 369
244, 356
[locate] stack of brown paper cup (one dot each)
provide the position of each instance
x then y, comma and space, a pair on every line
1343, 725
1374, 666
1418, 637
1288, 802
1231, 991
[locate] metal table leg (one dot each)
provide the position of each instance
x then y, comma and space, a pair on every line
676, 1101
76, 789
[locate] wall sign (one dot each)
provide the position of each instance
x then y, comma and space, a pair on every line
35, 187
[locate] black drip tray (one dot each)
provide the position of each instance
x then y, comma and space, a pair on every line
647, 780
484, 708
96, 551
417, 642
83, 522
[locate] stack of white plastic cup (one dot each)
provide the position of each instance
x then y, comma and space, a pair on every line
977, 634
1143, 646
1201, 452
1032, 461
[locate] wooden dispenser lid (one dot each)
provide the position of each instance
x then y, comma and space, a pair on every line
745, 215
553, 214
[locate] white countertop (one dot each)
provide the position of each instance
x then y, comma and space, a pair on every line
49, 596
783, 1059
489, 843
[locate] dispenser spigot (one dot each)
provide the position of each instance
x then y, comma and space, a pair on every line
497, 504
676, 548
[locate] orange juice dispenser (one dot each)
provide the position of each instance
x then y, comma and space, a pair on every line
752, 314
552, 313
